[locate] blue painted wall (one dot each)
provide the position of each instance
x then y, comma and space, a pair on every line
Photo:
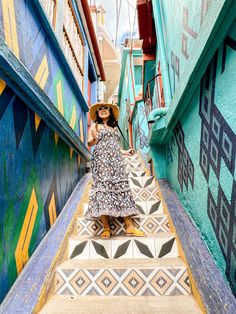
38, 171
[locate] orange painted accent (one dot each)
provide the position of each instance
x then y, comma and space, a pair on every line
130, 134
21, 252
37, 120
2, 86
71, 152
148, 57
56, 137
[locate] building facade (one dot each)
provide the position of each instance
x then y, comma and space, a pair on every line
50, 67
189, 95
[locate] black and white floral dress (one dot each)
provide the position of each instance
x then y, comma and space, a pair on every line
110, 193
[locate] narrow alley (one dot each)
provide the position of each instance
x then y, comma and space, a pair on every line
118, 156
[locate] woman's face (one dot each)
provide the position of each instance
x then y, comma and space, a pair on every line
104, 112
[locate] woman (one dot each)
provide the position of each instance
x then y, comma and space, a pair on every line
110, 195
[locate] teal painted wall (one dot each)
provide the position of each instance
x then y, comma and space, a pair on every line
200, 155
181, 22
130, 88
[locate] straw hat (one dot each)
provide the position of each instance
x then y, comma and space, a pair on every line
93, 110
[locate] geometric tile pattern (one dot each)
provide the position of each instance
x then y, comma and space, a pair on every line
149, 207
217, 148
142, 182
137, 174
123, 247
145, 194
158, 281
135, 166
185, 164
150, 224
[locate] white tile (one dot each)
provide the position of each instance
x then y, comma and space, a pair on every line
149, 245
106, 245
118, 244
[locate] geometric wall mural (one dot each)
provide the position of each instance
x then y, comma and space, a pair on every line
217, 162
37, 177
185, 164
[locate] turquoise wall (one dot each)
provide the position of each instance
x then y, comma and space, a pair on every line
201, 152
130, 90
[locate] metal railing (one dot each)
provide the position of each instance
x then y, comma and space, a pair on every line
158, 89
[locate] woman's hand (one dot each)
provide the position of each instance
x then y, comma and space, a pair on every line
94, 134
128, 152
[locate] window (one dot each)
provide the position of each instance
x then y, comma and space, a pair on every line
50, 7
73, 44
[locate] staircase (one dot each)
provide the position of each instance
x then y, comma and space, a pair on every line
125, 274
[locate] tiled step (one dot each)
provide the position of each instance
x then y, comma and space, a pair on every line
153, 246
150, 224
134, 166
142, 182
118, 277
135, 174
130, 159
149, 207
59, 304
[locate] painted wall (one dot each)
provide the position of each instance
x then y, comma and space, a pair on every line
185, 17
38, 173
38, 170
200, 155
21, 29
129, 103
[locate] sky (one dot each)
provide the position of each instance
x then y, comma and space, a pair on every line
126, 25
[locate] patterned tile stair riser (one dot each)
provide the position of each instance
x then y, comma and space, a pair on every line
161, 245
123, 266
153, 224
127, 281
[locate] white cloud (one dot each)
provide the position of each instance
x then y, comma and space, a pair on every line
126, 24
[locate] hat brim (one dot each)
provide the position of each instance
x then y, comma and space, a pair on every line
94, 107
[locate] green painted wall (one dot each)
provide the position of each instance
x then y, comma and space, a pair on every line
201, 151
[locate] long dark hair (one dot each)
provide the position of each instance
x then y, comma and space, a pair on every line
111, 122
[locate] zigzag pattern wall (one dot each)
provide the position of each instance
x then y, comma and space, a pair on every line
38, 170
38, 173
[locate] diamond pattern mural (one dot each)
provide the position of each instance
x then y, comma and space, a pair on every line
217, 160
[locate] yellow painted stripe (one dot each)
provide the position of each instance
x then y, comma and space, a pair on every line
56, 137
2, 86
52, 210
81, 130
37, 120
9, 22
42, 73
71, 152
73, 118
21, 252
59, 98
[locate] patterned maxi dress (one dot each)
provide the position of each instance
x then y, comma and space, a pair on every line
110, 193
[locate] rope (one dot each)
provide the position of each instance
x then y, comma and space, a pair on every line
118, 18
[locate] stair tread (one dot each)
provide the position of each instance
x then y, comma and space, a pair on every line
126, 305
160, 235
139, 216
123, 263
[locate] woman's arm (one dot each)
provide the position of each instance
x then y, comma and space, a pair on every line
92, 135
